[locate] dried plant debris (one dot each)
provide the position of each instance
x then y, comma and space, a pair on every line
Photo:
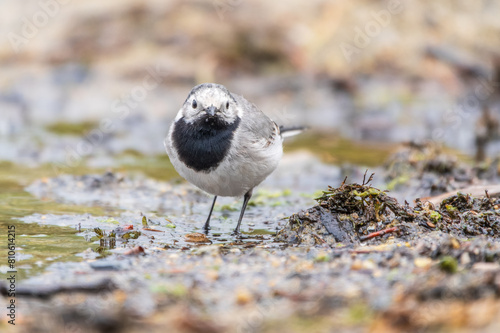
353, 213
463, 214
425, 169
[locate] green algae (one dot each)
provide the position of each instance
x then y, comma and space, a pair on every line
65, 128
157, 166
336, 150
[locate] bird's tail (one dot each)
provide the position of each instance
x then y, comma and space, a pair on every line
291, 130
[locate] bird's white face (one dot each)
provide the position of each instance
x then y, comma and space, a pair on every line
209, 101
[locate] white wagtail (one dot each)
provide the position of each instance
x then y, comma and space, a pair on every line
223, 144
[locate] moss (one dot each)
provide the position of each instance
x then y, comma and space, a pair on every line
226, 208
270, 198
157, 167
322, 258
176, 290
260, 232
369, 192
131, 235
359, 313
401, 180
448, 264
132, 152
64, 128
334, 149
435, 216
109, 220
450, 208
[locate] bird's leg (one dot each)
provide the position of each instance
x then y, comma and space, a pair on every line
246, 198
207, 224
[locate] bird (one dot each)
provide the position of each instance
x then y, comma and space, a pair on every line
223, 144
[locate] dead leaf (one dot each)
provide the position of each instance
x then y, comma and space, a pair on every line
197, 237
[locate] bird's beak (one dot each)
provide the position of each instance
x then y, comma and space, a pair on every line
211, 110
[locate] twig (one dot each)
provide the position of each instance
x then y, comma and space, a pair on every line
378, 233
151, 229
318, 239
365, 182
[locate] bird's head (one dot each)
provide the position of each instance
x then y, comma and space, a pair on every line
211, 103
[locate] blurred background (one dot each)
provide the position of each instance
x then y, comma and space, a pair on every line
85, 81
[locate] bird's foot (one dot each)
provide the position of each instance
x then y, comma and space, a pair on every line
236, 233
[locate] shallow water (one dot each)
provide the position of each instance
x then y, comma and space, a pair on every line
49, 204
37, 245
47, 213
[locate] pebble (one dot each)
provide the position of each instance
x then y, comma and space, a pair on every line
106, 265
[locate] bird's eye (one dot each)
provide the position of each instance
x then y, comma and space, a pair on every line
194, 105
227, 105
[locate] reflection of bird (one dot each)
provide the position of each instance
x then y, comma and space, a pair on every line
223, 144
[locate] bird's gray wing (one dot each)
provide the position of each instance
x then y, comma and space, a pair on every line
257, 128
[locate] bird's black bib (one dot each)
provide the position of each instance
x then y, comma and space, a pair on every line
202, 145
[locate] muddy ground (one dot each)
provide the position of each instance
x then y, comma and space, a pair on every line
359, 260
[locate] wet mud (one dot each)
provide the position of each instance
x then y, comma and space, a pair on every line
358, 259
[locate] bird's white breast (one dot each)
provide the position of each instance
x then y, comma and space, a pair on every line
246, 165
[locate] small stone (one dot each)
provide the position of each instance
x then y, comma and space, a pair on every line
465, 259
212, 250
275, 262
423, 262
455, 243
357, 265
369, 264
135, 251
486, 266
212, 275
243, 296
305, 266
235, 251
